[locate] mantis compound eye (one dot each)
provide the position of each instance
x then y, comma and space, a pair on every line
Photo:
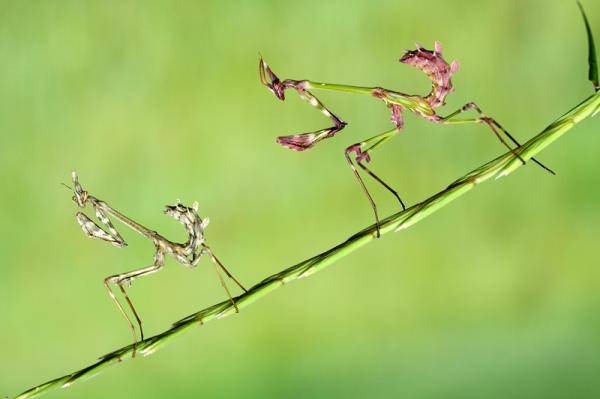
80, 198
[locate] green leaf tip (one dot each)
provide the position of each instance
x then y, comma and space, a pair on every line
592, 60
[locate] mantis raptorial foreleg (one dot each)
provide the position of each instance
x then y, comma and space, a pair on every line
492, 123
92, 230
303, 141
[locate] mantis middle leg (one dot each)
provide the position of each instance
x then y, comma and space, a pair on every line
127, 278
364, 155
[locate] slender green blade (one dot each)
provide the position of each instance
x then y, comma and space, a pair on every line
592, 60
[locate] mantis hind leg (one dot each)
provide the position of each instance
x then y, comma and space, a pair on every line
218, 265
492, 124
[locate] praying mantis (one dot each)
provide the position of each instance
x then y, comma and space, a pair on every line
188, 253
432, 63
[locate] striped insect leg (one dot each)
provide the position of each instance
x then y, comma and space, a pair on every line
361, 156
492, 124
218, 265
304, 141
126, 279
92, 230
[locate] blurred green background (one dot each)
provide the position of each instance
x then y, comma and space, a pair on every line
496, 296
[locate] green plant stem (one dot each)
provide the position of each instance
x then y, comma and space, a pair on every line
496, 168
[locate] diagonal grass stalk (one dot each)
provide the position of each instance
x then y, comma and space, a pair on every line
499, 167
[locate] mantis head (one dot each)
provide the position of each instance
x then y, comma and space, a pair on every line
272, 83
81, 196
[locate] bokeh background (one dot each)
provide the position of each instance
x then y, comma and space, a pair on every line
495, 296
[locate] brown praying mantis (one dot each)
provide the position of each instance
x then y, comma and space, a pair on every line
188, 253
429, 61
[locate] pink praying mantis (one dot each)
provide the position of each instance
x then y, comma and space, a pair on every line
428, 61
188, 253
